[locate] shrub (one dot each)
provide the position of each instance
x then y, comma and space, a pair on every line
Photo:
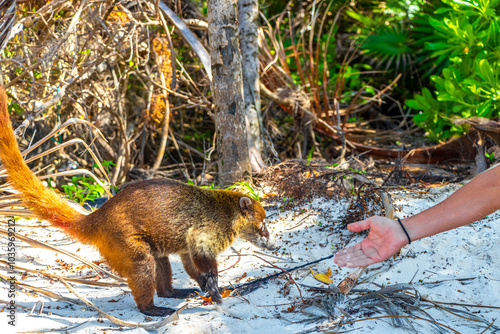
468, 37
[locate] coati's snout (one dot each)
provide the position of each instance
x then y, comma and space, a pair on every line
264, 239
255, 230
260, 237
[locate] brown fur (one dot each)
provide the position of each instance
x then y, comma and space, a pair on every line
137, 229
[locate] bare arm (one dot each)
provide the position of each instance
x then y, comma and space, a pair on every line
477, 199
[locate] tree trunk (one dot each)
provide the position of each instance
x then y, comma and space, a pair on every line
227, 90
248, 13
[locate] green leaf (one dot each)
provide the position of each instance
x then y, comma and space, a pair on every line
414, 104
423, 102
442, 10
447, 97
15, 108
486, 72
365, 20
490, 156
310, 155
421, 118
484, 109
426, 93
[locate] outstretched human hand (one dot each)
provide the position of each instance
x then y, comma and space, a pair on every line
386, 237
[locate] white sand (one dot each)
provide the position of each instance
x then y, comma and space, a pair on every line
471, 253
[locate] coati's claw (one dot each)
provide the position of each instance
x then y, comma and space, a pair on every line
216, 297
157, 311
211, 286
203, 281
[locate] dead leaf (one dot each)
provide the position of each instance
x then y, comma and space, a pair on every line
224, 294
209, 299
241, 277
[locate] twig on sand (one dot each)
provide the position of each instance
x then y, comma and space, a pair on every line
119, 322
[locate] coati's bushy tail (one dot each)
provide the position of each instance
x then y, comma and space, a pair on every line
44, 202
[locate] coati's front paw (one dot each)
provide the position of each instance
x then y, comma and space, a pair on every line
210, 285
202, 282
213, 290
216, 297
157, 311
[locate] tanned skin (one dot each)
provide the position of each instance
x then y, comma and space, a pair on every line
136, 230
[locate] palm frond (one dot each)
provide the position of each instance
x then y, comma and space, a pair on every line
7, 16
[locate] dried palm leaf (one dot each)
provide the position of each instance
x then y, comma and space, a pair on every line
12, 199
43, 245
7, 17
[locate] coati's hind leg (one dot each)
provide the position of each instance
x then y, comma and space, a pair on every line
164, 281
137, 264
163, 277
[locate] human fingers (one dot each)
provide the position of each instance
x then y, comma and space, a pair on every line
356, 258
340, 260
360, 261
360, 226
360, 257
344, 255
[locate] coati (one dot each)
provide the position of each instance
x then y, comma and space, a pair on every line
136, 230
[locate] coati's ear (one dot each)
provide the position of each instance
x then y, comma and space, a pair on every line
245, 205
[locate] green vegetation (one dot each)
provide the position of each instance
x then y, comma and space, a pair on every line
467, 37
82, 189
106, 164
398, 70
247, 189
447, 51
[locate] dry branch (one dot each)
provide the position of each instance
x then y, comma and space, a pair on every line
45, 292
119, 322
92, 60
42, 245
190, 38
70, 279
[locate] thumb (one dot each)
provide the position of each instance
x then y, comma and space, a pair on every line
360, 226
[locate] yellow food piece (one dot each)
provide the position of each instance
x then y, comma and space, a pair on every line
321, 277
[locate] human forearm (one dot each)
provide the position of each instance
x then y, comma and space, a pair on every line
477, 199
